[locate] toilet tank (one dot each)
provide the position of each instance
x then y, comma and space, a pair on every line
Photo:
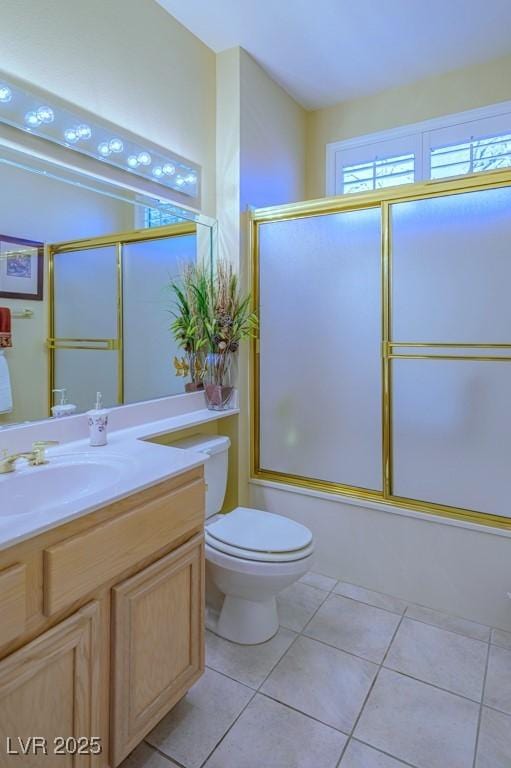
215, 469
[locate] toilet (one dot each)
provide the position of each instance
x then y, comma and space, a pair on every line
251, 555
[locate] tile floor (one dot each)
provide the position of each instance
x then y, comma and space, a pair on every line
353, 679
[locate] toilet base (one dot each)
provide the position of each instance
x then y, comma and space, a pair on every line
247, 622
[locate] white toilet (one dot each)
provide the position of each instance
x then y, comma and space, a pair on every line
251, 555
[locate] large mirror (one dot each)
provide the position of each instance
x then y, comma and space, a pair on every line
85, 274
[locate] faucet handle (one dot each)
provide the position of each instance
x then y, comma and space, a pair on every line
39, 449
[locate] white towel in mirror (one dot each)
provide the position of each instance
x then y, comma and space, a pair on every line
5, 385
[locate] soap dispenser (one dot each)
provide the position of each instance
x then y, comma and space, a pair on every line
63, 408
98, 422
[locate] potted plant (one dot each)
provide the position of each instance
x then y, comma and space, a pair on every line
226, 319
187, 328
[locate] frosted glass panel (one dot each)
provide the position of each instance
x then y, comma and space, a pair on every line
452, 433
320, 335
85, 294
149, 346
83, 372
451, 268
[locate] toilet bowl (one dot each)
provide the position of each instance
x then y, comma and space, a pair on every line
251, 555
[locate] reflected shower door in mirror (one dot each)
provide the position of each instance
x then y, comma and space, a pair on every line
111, 307
109, 326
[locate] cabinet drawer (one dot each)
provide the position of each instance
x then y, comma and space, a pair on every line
158, 642
12, 603
79, 565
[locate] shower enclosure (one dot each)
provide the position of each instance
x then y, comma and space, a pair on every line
383, 364
110, 315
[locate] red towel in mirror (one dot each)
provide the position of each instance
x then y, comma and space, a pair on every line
5, 328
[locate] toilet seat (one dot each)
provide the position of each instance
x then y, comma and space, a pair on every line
251, 534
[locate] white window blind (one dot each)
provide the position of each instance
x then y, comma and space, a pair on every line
156, 217
378, 174
473, 156
454, 145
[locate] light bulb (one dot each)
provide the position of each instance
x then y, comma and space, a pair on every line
45, 114
103, 149
71, 135
191, 178
115, 145
132, 161
5, 94
158, 171
169, 169
180, 181
83, 131
32, 119
144, 158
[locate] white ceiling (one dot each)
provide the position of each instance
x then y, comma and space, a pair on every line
326, 51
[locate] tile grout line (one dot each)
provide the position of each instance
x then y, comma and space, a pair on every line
301, 712
377, 664
399, 672
158, 751
343, 650
412, 618
254, 693
496, 709
444, 629
418, 605
371, 687
383, 752
480, 715
257, 690
233, 679
301, 633
380, 665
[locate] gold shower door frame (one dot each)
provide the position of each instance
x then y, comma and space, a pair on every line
117, 240
382, 199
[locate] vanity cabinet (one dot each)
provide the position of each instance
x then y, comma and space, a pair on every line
12, 602
51, 688
158, 609
102, 624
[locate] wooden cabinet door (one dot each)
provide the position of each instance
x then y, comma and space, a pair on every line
158, 642
50, 689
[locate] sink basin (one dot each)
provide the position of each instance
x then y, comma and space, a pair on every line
63, 480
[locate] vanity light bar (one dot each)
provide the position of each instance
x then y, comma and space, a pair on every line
21, 106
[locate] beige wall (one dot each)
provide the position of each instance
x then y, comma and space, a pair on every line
454, 92
273, 136
126, 60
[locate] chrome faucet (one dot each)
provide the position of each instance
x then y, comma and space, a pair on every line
35, 457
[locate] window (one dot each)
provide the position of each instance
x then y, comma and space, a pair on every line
379, 173
158, 217
471, 157
470, 142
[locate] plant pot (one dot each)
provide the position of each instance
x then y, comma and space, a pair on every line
218, 389
194, 386
218, 397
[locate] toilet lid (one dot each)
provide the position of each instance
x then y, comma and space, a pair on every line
258, 531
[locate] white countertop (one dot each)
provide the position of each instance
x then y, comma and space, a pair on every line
143, 463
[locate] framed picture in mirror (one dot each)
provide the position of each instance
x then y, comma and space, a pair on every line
21, 268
